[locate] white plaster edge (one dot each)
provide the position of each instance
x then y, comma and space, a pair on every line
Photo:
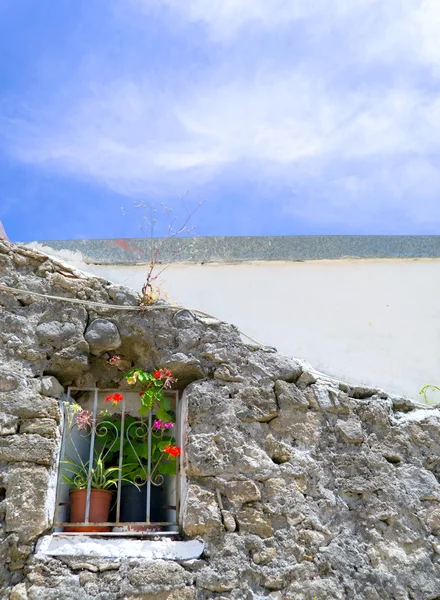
417, 415
85, 546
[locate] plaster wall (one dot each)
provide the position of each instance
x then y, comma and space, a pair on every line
375, 322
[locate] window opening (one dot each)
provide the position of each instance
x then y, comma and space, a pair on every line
118, 469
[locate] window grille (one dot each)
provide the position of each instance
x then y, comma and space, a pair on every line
112, 447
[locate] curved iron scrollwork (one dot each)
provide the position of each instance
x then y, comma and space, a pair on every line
135, 450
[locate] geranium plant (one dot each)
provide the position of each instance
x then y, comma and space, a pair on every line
152, 394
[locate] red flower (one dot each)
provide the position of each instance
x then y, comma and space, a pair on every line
114, 398
172, 450
156, 374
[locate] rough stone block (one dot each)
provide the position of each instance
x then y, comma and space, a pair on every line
158, 576
45, 427
8, 380
19, 592
331, 400
279, 452
8, 424
50, 386
24, 403
55, 333
229, 521
242, 491
289, 396
251, 520
301, 426
201, 513
256, 404
204, 456
27, 448
223, 581
350, 431
26, 500
102, 336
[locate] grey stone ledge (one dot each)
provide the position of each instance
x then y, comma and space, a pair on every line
227, 249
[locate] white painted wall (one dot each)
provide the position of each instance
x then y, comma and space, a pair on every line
375, 322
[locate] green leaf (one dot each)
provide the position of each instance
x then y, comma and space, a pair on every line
164, 416
167, 468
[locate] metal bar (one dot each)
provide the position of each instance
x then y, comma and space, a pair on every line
127, 534
108, 523
61, 455
149, 468
179, 443
121, 450
75, 389
92, 448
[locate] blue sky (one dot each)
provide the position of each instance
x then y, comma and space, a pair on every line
288, 116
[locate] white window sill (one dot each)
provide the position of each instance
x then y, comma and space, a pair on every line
123, 547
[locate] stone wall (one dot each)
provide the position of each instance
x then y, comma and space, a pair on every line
300, 487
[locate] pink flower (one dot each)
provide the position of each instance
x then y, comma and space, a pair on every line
165, 376
84, 419
168, 425
114, 360
157, 424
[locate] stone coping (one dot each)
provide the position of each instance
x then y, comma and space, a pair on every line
229, 249
118, 548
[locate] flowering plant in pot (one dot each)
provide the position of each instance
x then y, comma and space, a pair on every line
102, 480
150, 450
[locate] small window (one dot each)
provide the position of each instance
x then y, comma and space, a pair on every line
119, 464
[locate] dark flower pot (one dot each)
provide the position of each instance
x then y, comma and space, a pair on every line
134, 504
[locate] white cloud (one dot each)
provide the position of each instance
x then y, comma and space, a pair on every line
378, 30
279, 124
226, 18
121, 137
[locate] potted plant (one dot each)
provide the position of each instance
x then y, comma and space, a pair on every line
135, 467
135, 453
135, 473
102, 479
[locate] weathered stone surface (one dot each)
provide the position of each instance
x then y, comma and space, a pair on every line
55, 332
265, 556
254, 521
350, 431
331, 400
8, 381
43, 426
302, 427
289, 396
8, 424
50, 386
26, 501
102, 336
229, 521
158, 576
19, 592
256, 404
185, 367
201, 514
225, 581
279, 452
24, 403
242, 491
326, 490
27, 448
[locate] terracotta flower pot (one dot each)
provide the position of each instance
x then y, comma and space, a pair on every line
100, 501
